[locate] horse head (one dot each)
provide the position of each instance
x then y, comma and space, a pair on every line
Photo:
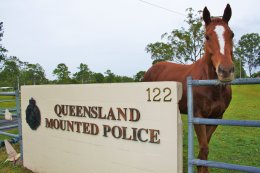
219, 44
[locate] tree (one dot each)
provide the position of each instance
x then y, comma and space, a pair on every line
248, 50
139, 76
33, 74
239, 68
239, 64
97, 78
257, 74
2, 49
1, 31
123, 79
11, 71
84, 74
110, 77
62, 72
181, 45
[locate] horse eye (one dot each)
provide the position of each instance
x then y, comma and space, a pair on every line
232, 35
207, 37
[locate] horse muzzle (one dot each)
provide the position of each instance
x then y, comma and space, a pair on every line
226, 74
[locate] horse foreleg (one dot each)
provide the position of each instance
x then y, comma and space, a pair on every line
210, 129
201, 132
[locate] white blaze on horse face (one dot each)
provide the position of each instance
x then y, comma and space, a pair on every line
220, 34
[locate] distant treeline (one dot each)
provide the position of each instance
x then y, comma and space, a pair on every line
14, 72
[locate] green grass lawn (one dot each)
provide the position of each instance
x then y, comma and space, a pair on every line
8, 167
7, 104
237, 145
13, 131
4, 105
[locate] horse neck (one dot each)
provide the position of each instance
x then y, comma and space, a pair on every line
207, 69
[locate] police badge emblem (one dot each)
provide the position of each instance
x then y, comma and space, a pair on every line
33, 115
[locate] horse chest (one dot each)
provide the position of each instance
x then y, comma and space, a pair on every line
212, 103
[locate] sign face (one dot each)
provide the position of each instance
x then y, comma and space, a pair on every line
119, 128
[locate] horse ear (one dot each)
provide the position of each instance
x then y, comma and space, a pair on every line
227, 13
206, 16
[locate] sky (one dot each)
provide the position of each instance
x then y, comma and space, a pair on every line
104, 34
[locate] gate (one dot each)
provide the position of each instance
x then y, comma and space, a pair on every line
15, 113
192, 120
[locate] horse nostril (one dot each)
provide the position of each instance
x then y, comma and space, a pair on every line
225, 71
221, 69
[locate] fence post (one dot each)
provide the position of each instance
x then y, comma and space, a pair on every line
190, 125
18, 112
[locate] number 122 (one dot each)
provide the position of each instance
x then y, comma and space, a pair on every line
157, 95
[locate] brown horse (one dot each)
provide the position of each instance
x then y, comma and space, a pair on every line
209, 101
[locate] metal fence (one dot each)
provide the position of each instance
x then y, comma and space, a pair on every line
15, 113
191, 120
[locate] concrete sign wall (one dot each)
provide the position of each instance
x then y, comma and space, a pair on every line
97, 128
